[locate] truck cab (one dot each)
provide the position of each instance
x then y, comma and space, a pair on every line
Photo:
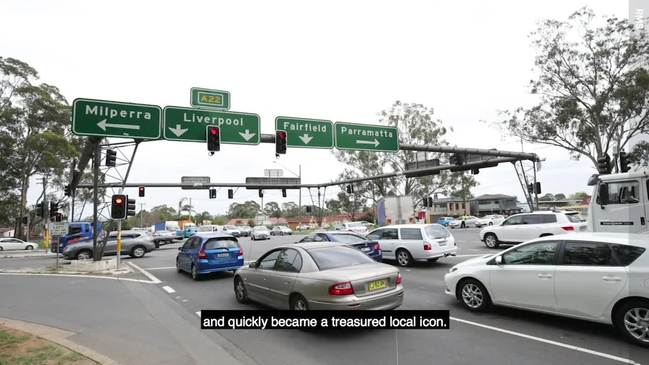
77, 232
620, 202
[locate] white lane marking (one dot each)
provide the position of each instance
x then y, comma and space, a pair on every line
80, 276
550, 342
168, 289
160, 268
198, 313
146, 273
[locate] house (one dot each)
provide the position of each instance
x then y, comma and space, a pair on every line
449, 207
6, 232
495, 204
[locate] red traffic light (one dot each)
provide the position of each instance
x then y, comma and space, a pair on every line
119, 201
141, 191
214, 131
281, 134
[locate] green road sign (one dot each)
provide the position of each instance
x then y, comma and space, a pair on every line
189, 125
209, 98
306, 133
350, 136
115, 119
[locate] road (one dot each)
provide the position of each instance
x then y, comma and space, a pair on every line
502, 336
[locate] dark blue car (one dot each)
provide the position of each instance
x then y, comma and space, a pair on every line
208, 252
369, 247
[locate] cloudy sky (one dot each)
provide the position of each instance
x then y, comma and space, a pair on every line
335, 60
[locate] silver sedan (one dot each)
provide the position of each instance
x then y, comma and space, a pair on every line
317, 275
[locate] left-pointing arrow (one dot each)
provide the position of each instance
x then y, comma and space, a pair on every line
103, 125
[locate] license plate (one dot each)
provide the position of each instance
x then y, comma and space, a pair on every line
442, 243
582, 228
366, 249
376, 285
225, 254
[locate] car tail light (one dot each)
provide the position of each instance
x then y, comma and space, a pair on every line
341, 289
568, 228
202, 254
399, 279
240, 251
376, 246
428, 247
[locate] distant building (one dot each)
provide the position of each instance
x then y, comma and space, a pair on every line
494, 204
449, 207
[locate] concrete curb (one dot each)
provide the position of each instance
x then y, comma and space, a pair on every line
22, 254
57, 336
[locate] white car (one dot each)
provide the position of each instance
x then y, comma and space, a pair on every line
489, 220
356, 227
526, 226
16, 244
233, 230
281, 231
407, 243
260, 233
600, 277
464, 222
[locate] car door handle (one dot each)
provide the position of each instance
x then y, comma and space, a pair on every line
611, 278
544, 276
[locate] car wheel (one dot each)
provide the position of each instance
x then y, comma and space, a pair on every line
491, 223
281, 233
473, 295
240, 291
404, 258
84, 255
138, 252
29, 247
178, 269
299, 303
491, 241
195, 274
632, 320
157, 244
1, 248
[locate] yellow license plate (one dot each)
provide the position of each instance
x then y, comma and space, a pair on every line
376, 285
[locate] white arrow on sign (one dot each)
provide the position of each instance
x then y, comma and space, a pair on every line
247, 136
103, 125
374, 142
178, 131
305, 138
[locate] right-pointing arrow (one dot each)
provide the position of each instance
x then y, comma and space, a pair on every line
305, 138
178, 131
247, 136
374, 142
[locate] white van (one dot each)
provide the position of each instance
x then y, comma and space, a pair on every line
407, 243
620, 202
209, 228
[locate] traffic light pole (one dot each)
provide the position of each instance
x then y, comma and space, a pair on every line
95, 199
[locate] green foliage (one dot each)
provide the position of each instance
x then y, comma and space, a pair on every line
547, 197
416, 125
272, 209
592, 84
639, 156
249, 209
559, 196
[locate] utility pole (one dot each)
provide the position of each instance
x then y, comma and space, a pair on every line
46, 215
95, 200
299, 210
141, 213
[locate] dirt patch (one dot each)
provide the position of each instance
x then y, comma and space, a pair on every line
21, 348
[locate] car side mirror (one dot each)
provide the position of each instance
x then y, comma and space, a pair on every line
499, 260
602, 195
252, 265
180, 248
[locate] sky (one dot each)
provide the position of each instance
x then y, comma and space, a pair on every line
334, 60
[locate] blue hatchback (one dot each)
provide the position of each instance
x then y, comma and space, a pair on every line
208, 252
369, 247
444, 221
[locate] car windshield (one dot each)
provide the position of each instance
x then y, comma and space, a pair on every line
575, 217
436, 231
328, 258
217, 243
259, 228
230, 227
347, 238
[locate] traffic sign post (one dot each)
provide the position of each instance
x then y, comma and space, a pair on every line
115, 119
351, 136
189, 125
306, 133
209, 98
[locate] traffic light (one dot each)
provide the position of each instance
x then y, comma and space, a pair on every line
140, 191
68, 190
308, 209
457, 159
475, 171
230, 194
40, 209
537, 187
424, 202
111, 157
261, 193
430, 202
350, 189
624, 161
25, 220
118, 206
530, 188
213, 138
604, 164
212, 193
130, 206
284, 193
280, 142
54, 209
59, 217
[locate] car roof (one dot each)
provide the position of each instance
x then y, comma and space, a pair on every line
634, 239
411, 225
213, 234
311, 245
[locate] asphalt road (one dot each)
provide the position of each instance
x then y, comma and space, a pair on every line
502, 336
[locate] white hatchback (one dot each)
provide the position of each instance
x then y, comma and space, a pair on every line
16, 244
407, 243
526, 226
601, 277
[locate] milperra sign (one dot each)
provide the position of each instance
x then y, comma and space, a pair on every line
115, 119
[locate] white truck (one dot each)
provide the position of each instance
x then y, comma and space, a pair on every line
620, 202
395, 210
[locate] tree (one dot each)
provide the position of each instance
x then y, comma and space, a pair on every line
579, 196
592, 85
351, 203
205, 216
34, 128
163, 213
272, 209
290, 210
249, 209
639, 156
416, 125
547, 197
559, 196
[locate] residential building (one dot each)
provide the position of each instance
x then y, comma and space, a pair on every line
494, 204
449, 207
